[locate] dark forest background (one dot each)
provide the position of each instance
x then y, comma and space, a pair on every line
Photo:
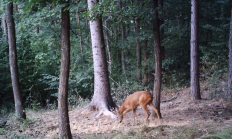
38, 33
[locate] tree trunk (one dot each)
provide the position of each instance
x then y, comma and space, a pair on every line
80, 34
102, 99
64, 126
20, 112
123, 39
228, 94
145, 64
139, 60
158, 58
108, 48
195, 85
4, 26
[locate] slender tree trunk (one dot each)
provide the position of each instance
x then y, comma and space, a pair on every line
161, 22
64, 126
158, 58
108, 48
19, 108
4, 26
123, 39
195, 85
139, 60
228, 94
145, 64
80, 34
102, 99
87, 26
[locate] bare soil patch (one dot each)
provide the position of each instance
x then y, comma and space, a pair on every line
180, 115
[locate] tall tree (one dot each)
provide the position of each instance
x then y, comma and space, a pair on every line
64, 126
195, 85
123, 41
138, 50
158, 57
228, 94
102, 99
20, 111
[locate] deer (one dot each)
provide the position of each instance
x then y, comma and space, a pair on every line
142, 98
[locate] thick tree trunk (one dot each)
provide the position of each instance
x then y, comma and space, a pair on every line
158, 59
20, 112
64, 126
228, 94
102, 99
195, 85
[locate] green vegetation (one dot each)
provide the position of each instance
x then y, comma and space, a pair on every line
38, 33
39, 48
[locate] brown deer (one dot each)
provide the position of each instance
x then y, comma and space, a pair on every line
142, 98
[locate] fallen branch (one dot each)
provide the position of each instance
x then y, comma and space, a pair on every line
171, 98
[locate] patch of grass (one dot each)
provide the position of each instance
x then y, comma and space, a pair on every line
26, 123
2, 131
14, 136
145, 132
227, 134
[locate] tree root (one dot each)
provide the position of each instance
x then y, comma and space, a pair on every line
103, 111
107, 113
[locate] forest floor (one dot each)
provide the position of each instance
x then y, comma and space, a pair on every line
182, 118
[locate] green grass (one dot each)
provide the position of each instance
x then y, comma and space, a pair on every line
227, 134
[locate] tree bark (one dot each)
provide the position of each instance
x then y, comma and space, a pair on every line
102, 99
195, 85
19, 108
228, 94
158, 58
64, 126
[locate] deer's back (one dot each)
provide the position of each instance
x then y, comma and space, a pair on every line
137, 98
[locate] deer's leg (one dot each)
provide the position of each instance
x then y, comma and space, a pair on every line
134, 112
147, 111
156, 111
126, 111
